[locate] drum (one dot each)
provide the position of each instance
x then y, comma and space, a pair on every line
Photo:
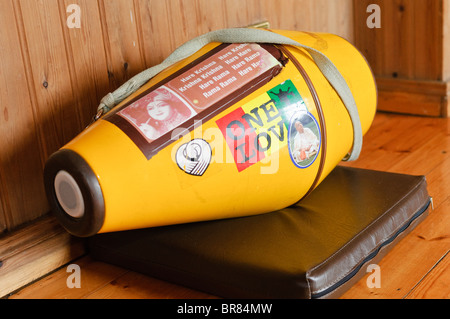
234, 129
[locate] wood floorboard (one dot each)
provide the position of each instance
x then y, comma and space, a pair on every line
406, 264
434, 284
418, 267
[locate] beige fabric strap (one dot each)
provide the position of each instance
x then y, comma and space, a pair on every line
246, 35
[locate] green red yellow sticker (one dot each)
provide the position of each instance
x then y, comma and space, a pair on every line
273, 120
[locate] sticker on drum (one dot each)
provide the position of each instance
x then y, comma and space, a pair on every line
304, 139
194, 157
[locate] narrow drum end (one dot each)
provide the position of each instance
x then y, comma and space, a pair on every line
74, 193
69, 194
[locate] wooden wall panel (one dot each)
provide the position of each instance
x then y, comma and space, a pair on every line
20, 158
57, 116
319, 16
446, 33
409, 42
86, 59
167, 24
407, 53
121, 40
52, 77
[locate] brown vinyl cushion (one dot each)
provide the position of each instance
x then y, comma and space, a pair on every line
315, 249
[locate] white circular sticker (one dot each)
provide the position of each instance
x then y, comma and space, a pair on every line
194, 157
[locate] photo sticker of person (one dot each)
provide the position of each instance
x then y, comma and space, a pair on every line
157, 113
304, 139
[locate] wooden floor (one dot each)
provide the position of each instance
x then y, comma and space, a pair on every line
418, 267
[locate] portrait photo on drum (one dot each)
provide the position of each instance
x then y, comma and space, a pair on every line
157, 113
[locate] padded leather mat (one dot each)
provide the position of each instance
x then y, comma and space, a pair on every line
316, 249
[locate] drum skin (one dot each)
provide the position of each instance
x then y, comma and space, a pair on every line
124, 189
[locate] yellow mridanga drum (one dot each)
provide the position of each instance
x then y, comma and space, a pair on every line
234, 128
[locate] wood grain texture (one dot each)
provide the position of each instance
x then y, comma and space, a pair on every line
58, 119
410, 46
434, 285
33, 251
428, 98
54, 286
446, 32
103, 281
409, 43
21, 159
86, 58
120, 35
408, 262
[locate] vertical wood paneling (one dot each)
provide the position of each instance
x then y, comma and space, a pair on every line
242, 13
407, 54
151, 24
58, 119
86, 58
305, 15
121, 40
3, 199
181, 17
446, 33
212, 15
409, 43
429, 44
52, 77
167, 24
21, 193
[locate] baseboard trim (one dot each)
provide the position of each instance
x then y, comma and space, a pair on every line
35, 250
417, 97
